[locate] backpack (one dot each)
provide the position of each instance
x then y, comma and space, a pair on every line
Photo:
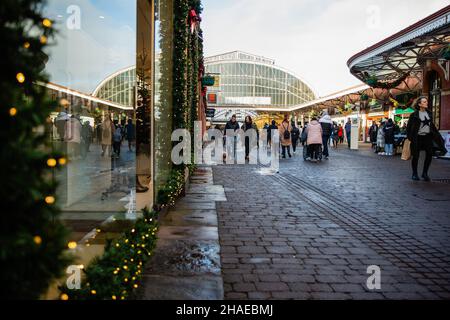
286, 134
304, 136
117, 135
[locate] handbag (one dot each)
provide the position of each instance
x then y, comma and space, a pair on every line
406, 151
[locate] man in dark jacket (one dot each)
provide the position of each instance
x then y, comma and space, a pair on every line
273, 126
327, 129
295, 135
373, 132
234, 126
348, 131
422, 133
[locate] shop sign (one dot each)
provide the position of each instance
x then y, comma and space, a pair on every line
208, 81
210, 113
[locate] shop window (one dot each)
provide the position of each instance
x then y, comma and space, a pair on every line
434, 99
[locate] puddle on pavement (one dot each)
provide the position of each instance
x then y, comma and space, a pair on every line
181, 257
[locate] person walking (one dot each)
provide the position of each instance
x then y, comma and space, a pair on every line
273, 126
232, 125
314, 138
130, 133
422, 132
335, 135
248, 124
304, 135
107, 130
295, 136
285, 136
340, 134
380, 139
388, 130
72, 135
86, 135
373, 132
327, 129
117, 138
348, 131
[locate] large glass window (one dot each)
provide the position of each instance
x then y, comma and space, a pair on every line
94, 121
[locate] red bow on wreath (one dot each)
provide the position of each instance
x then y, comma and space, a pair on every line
194, 20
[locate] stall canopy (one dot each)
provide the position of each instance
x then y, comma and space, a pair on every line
403, 111
402, 55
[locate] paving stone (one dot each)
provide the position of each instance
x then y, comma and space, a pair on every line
320, 242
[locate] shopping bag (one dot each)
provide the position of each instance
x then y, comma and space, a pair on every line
406, 151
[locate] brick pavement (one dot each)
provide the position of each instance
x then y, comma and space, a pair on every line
311, 231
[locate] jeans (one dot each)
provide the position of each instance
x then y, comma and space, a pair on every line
348, 139
325, 140
389, 148
116, 147
283, 148
423, 143
294, 144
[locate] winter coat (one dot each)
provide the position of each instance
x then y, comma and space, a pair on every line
131, 135
373, 132
73, 130
380, 137
412, 132
295, 134
348, 128
269, 130
340, 132
107, 132
389, 133
285, 125
231, 126
327, 125
314, 132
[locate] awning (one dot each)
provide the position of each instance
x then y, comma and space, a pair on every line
403, 53
403, 111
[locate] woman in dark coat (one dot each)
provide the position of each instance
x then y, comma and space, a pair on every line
248, 124
422, 132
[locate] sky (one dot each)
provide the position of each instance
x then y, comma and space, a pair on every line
312, 38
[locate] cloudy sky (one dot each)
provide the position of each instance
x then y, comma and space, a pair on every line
312, 38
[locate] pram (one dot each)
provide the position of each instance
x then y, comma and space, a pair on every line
307, 151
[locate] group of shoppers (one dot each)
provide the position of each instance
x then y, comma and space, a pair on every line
78, 135
382, 137
319, 132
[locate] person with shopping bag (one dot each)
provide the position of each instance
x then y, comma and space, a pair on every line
406, 150
423, 135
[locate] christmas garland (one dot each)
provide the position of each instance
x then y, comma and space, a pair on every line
118, 272
375, 83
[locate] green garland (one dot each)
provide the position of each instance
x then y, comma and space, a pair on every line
180, 64
118, 272
374, 83
172, 189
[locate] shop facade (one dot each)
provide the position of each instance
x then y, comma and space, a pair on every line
122, 75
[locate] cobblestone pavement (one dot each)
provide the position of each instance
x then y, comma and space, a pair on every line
311, 231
